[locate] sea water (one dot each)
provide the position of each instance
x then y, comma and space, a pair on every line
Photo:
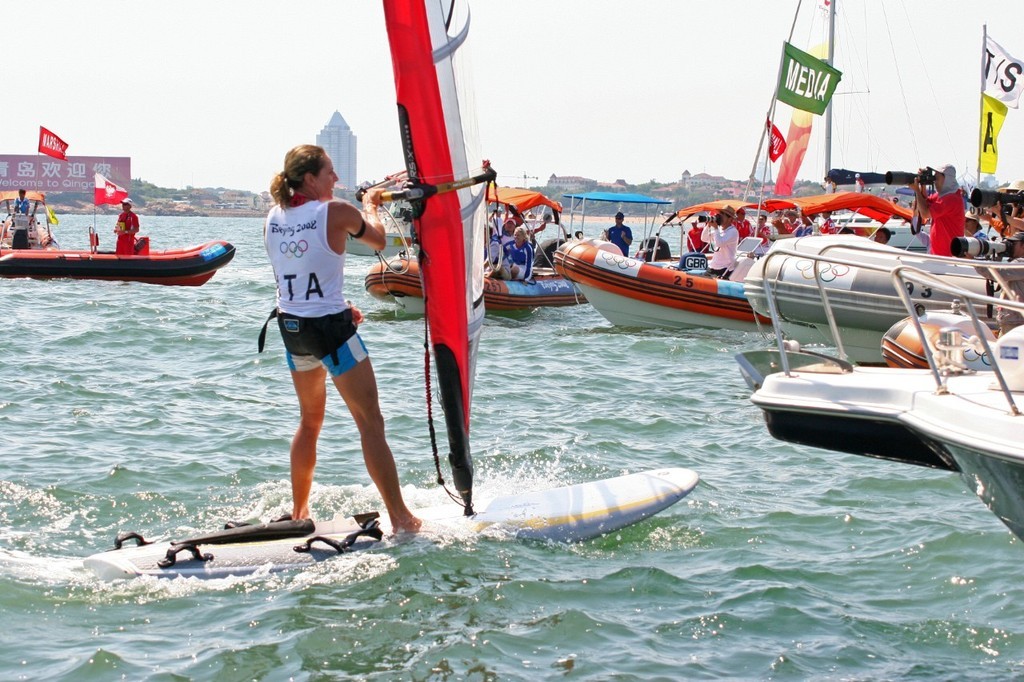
127, 406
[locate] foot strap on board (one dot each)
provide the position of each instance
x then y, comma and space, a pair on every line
130, 535
369, 526
172, 554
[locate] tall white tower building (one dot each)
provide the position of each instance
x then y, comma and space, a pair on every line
339, 142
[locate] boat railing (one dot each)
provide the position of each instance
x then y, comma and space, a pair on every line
903, 275
825, 256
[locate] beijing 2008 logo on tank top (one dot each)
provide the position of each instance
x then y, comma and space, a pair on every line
310, 275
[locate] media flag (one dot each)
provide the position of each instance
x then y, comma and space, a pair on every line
776, 142
51, 145
993, 113
107, 192
1004, 75
806, 82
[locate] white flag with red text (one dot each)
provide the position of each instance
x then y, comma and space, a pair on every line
51, 145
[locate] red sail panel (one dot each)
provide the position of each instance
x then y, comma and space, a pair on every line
425, 38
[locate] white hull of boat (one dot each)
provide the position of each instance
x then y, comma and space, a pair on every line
629, 312
898, 414
395, 243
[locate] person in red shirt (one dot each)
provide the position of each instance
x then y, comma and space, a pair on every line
944, 208
693, 238
742, 224
126, 229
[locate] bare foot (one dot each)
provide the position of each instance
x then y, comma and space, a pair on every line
407, 524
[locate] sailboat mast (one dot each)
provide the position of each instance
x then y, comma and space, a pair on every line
831, 62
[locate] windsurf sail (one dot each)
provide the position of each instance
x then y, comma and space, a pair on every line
437, 119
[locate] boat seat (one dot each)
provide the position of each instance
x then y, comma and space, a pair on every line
741, 268
19, 238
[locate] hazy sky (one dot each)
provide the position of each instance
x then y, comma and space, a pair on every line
214, 93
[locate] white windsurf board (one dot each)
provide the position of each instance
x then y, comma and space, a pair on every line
566, 514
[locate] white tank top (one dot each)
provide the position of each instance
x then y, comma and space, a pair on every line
310, 275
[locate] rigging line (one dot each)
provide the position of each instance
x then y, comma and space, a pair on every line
931, 87
903, 90
771, 118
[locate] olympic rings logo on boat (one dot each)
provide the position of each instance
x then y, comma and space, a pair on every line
294, 249
623, 262
828, 272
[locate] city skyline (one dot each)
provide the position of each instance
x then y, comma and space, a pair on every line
339, 141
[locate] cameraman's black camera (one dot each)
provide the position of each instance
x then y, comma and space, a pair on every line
985, 198
925, 177
976, 248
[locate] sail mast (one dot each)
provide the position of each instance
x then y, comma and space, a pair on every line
831, 62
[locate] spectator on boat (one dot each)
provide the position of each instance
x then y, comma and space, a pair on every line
126, 229
508, 231
742, 224
803, 227
519, 255
541, 227
694, 240
21, 204
620, 234
496, 221
317, 323
725, 238
762, 229
882, 235
785, 223
827, 226
973, 227
944, 208
579, 234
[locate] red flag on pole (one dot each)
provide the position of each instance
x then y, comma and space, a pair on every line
106, 192
776, 142
51, 145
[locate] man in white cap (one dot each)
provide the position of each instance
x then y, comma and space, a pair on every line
944, 207
126, 229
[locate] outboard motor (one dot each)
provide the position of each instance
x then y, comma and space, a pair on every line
545, 256
661, 252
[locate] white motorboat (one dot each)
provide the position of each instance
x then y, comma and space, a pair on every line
838, 290
947, 417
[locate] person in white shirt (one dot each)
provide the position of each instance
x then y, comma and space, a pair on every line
305, 235
725, 238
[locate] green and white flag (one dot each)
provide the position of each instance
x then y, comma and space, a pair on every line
806, 82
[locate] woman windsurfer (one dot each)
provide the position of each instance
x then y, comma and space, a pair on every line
305, 235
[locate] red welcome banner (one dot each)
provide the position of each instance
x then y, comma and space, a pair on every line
51, 145
34, 172
776, 142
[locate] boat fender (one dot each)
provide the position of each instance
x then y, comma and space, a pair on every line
1009, 352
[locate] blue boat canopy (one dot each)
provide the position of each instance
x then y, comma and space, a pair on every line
618, 197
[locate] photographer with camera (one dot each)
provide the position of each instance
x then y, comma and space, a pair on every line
1011, 283
944, 207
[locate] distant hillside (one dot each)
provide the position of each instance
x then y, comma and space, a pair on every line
219, 201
